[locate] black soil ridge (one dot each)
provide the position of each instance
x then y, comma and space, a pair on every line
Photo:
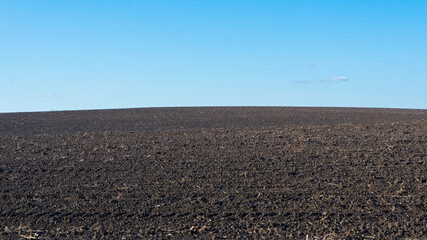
147, 119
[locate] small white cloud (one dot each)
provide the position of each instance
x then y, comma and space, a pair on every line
335, 79
324, 80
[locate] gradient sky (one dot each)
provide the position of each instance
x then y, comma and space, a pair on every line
69, 55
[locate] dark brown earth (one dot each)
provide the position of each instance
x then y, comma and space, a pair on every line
214, 173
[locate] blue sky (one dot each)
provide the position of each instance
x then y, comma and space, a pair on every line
70, 55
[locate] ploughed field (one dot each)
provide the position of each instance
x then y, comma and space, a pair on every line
214, 173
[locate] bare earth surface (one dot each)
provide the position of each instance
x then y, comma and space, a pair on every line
214, 173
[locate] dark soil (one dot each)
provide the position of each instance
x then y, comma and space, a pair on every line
214, 173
